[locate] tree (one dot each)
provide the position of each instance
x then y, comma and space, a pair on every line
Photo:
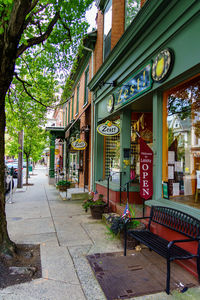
33, 31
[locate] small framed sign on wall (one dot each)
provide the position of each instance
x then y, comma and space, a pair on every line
165, 190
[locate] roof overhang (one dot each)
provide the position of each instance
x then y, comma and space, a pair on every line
58, 132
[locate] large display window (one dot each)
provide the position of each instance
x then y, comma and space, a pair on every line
181, 141
112, 156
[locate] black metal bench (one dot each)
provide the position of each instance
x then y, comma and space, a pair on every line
177, 221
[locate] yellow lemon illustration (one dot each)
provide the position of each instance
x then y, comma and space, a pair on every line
160, 67
108, 123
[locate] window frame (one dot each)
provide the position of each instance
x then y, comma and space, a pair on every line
77, 98
86, 91
69, 104
72, 109
108, 5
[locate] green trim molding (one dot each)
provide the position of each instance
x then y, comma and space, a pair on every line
179, 206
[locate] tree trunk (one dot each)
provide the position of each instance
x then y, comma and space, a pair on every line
7, 61
27, 172
6, 245
20, 160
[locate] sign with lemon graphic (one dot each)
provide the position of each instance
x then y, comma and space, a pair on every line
138, 84
162, 65
79, 144
108, 129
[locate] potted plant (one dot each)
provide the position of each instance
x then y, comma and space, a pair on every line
62, 185
117, 225
96, 204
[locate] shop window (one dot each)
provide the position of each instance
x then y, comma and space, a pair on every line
77, 99
131, 9
181, 153
107, 29
112, 156
72, 107
68, 111
86, 86
141, 123
66, 115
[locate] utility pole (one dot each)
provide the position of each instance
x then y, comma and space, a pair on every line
20, 159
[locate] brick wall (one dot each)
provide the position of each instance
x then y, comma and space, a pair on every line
118, 19
142, 2
98, 52
85, 119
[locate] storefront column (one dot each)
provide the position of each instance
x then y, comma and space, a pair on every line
98, 151
52, 160
64, 156
157, 145
125, 143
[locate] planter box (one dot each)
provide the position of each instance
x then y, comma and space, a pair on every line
131, 242
97, 211
62, 188
72, 185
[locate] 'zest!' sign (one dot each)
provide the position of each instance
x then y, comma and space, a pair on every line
108, 129
146, 170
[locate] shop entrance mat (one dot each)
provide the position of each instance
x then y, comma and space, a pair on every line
137, 274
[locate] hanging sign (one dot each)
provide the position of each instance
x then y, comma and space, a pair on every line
110, 103
162, 65
146, 170
137, 85
108, 129
57, 151
79, 144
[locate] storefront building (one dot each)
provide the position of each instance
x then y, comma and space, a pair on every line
149, 85
77, 114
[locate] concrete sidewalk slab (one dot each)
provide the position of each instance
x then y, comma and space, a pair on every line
57, 264
31, 226
48, 238
43, 289
74, 236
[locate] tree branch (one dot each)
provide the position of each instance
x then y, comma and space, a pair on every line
67, 28
29, 20
37, 40
18, 15
24, 85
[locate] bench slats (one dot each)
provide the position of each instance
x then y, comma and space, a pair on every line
159, 244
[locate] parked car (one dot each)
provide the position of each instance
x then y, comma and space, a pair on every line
13, 169
7, 181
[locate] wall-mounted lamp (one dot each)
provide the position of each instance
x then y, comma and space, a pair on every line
113, 84
85, 128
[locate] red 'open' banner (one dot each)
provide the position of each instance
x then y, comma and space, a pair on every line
146, 170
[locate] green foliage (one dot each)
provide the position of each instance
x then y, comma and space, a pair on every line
132, 8
118, 223
93, 202
63, 183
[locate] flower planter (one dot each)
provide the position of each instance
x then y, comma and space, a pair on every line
72, 185
62, 188
97, 210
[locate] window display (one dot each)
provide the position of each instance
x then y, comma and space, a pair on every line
141, 123
182, 146
112, 155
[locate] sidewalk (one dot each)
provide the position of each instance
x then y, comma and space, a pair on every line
66, 235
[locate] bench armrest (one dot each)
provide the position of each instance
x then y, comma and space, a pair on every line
181, 241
